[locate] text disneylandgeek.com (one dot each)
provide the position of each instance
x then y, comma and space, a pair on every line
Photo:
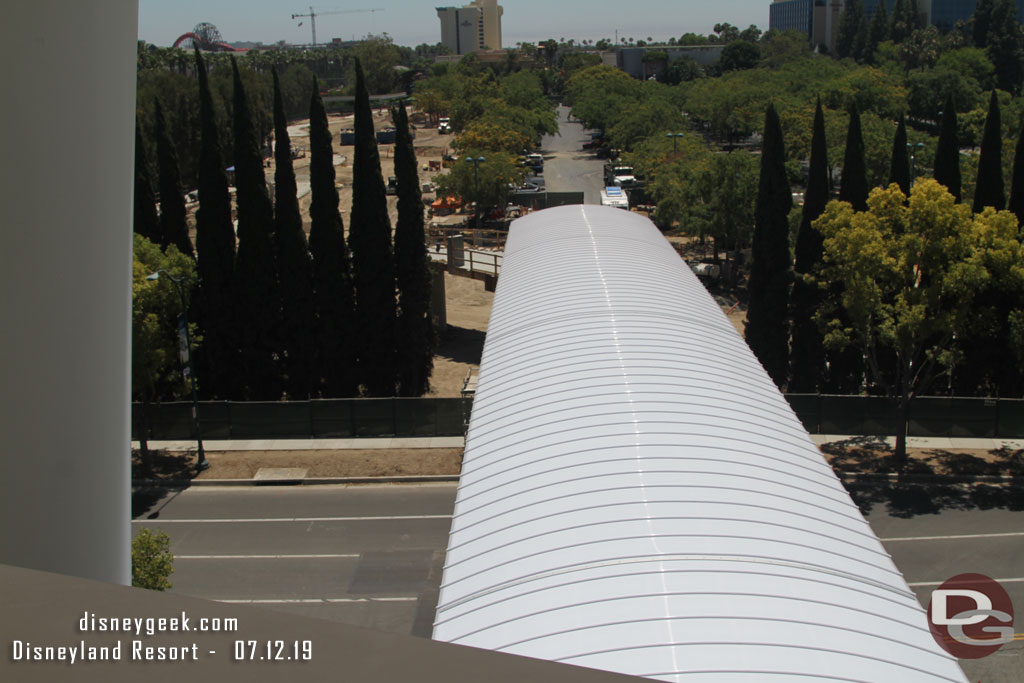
136, 648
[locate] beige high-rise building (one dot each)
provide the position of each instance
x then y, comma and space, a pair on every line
474, 27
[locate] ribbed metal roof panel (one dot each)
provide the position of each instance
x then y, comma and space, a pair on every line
638, 496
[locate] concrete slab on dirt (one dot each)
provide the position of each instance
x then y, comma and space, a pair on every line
279, 475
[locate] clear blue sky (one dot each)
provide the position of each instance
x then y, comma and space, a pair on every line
411, 22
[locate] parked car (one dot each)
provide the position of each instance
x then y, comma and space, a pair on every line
444, 126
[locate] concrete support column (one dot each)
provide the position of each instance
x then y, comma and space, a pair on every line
66, 182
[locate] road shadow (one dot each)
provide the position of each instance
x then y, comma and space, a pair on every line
461, 345
178, 468
906, 499
928, 483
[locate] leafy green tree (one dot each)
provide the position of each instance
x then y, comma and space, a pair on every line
910, 272
218, 362
372, 265
294, 265
145, 220
947, 153
156, 370
256, 286
726, 33
739, 54
485, 183
783, 47
334, 300
647, 118
152, 561
377, 56
492, 136
899, 171
173, 226
414, 356
989, 187
599, 94
771, 270
807, 354
1017, 184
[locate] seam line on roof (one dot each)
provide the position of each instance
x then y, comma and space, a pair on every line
701, 617
914, 608
739, 475
827, 476
588, 508
856, 655
676, 557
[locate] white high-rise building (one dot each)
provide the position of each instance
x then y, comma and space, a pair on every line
474, 27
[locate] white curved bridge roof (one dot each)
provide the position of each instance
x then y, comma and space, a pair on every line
637, 495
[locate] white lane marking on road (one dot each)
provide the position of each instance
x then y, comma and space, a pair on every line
921, 584
304, 601
287, 519
950, 538
263, 557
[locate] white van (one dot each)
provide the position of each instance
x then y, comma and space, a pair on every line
615, 196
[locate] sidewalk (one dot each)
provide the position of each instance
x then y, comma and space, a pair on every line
310, 444
934, 442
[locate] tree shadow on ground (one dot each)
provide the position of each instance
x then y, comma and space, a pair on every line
915, 491
164, 466
461, 345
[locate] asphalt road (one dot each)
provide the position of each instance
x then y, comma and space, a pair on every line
567, 168
372, 555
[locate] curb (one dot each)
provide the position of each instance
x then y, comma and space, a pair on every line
308, 481
896, 477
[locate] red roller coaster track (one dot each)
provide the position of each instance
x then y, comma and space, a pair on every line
215, 47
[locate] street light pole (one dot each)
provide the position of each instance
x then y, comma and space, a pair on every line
911, 146
201, 463
674, 136
476, 188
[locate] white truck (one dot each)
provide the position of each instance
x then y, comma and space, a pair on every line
615, 196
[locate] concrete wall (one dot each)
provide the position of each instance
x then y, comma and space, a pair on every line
66, 189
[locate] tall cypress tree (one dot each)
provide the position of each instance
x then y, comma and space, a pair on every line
173, 225
981, 22
767, 333
878, 31
988, 190
415, 352
218, 369
332, 272
846, 366
900, 25
947, 152
294, 265
1017, 183
854, 183
370, 241
145, 221
899, 168
851, 25
807, 356
257, 295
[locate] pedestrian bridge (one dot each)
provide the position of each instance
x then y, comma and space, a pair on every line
638, 496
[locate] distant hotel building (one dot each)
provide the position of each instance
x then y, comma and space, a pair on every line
819, 19
472, 28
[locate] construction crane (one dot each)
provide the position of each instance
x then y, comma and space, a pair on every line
313, 15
